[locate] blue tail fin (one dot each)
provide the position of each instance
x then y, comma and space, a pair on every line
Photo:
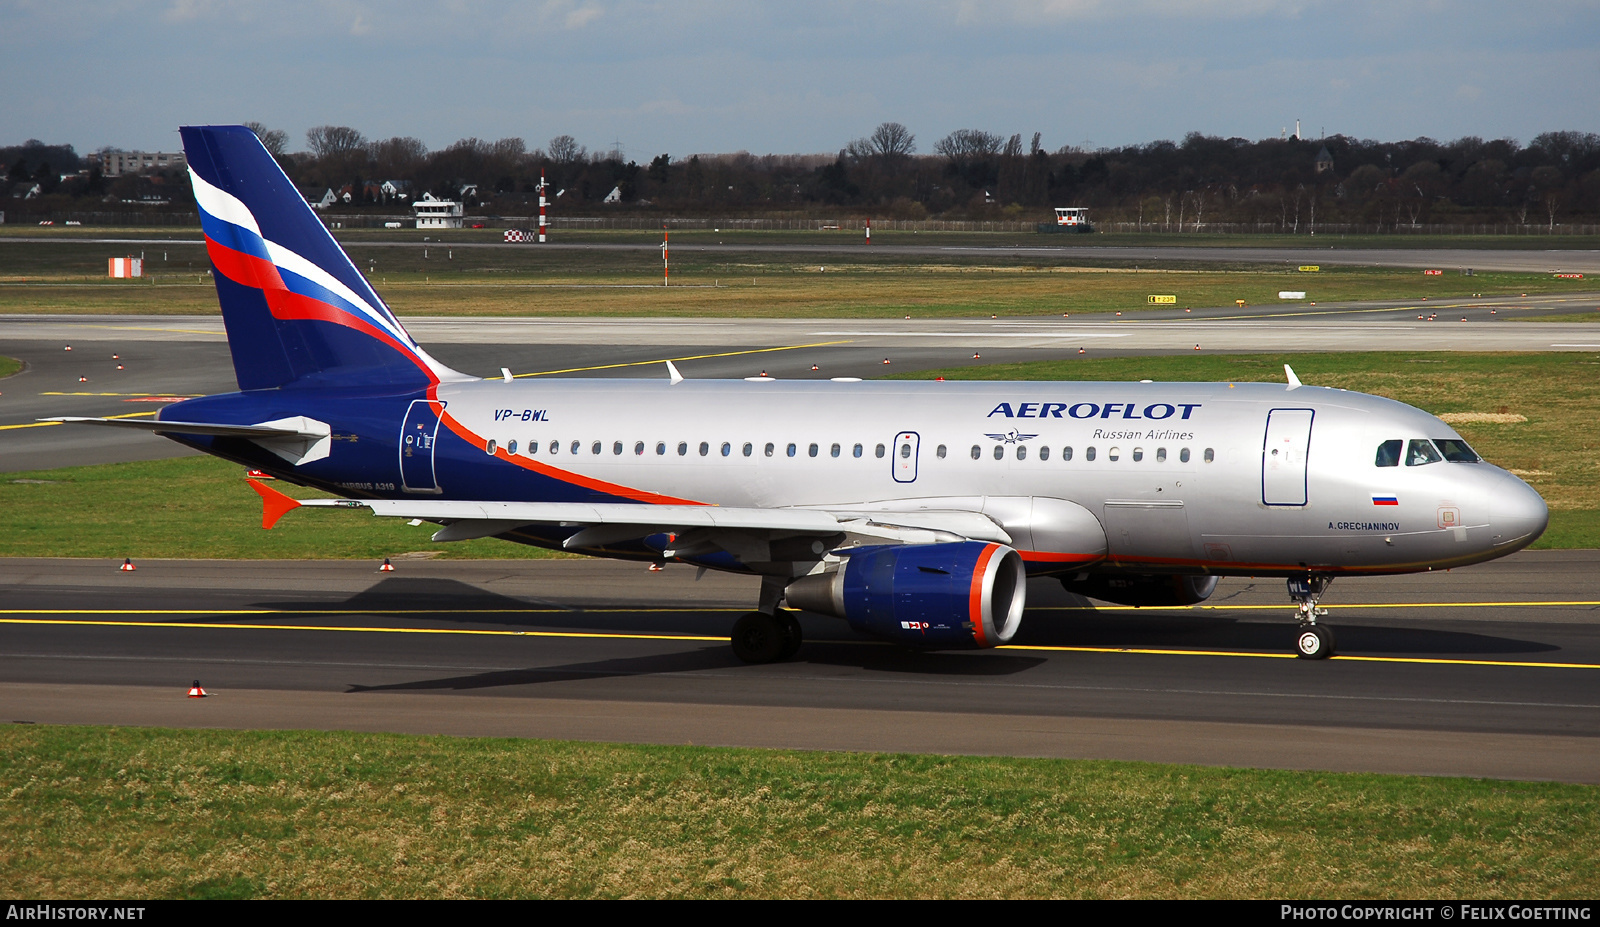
295, 308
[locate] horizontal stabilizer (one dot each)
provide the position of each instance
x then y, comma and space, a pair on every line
298, 440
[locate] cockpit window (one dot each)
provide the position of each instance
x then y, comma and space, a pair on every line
1389, 453
1420, 453
1455, 450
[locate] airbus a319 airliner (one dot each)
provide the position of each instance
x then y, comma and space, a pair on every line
915, 511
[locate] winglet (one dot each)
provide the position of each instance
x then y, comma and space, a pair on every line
1294, 381
674, 374
274, 504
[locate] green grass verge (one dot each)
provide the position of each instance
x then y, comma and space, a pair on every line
130, 813
9, 366
59, 278
1556, 450
198, 507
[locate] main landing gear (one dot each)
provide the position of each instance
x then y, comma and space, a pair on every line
762, 638
1313, 641
769, 634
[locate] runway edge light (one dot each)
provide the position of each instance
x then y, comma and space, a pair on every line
195, 691
127, 565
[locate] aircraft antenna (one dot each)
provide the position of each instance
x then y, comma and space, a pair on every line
1294, 381
672, 372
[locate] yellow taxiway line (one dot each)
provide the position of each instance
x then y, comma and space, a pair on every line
791, 347
608, 635
46, 424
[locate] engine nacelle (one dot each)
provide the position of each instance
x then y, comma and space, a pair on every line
1153, 589
941, 596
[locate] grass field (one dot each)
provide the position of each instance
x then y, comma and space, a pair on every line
95, 812
440, 280
201, 507
9, 366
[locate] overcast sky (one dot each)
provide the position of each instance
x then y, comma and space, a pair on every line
710, 76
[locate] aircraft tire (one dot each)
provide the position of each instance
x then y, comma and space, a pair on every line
792, 636
759, 638
1314, 642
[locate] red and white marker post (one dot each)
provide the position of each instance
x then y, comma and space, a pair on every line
544, 221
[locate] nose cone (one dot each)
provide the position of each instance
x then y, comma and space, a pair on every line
1517, 514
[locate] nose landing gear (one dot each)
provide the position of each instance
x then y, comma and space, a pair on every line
1314, 641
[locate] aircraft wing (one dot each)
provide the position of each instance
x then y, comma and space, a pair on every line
731, 528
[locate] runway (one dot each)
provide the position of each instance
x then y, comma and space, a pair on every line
1488, 671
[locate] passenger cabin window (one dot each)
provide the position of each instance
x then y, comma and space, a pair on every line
683, 448
999, 451
1138, 454
727, 448
1044, 452
616, 447
1389, 453
940, 453
555, 447
575, 446
1114, 454
976, 452
638, 448
594, 448
1210, 455
705, 448
1022, 452
661, 448
1066, 453
855, 451
790, 450
1454, 450
811, 450
489, 448
748, 449
533, 447
1183, 456
1161, 455
1421, 453
511, 447
879, 451
833, 451
1088, 453
769, 449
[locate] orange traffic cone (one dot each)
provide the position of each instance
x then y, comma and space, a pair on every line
127, 565
387, 566
195, 691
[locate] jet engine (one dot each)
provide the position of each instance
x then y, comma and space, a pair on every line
961, 595
1156, 589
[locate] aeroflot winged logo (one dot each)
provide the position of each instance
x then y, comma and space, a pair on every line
1011, 437
1121, 410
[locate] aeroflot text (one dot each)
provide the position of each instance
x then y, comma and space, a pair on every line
1466, 912
1155, 410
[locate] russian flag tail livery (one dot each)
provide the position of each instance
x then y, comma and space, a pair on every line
295, 308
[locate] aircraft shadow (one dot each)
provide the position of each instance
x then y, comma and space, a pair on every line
1086, 628
716, 656
462, 603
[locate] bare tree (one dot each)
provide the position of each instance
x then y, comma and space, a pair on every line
334, 140
274, 140
892, 140
967, 144
564, 149
398, 157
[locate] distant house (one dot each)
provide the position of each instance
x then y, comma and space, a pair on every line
615, 196
117, 163
1324, 160
326, 199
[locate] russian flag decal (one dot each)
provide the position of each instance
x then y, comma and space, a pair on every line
1383, 499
